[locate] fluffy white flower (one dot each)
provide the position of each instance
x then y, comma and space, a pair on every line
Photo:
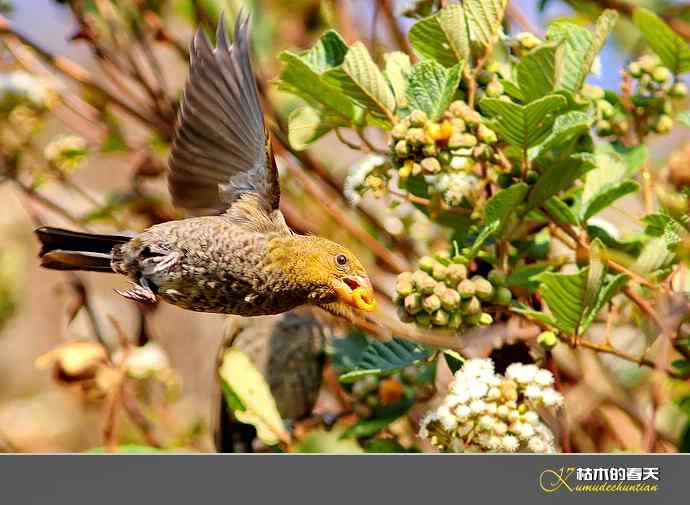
477, 390
476, 368
502, 411
493, 394
543, 378
510, 443
493, 443
460, 393
355, 181
536, 445
551, 398
477, 406
447, 419
523, 430
533, 392
491, 408
487, 422
458, 185
531, 417
463, 412
500, 428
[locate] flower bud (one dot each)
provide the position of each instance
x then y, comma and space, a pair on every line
404, 287
431, 303
427, 285
450, 299
497, 277
603, 127
462, 140
664, 124
458, 125
547, 339
456, 273
406, 170
461, 163
635, 69
426, 263
439, 272
472, 306
413, 303
483, 288
678, 90
429, 150
440, 318
418, 118
360, 390
431, 165
423, 319
649, 62
503, 296
528, 40
401, 149
455, 320
494, 89
458, 108
486, 134
605, 108
662, 75
416, 136
466, 288
409, 374
399, 130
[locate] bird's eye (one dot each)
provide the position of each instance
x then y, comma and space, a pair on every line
341, 260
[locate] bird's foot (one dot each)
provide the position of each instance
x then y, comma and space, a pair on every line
139, 294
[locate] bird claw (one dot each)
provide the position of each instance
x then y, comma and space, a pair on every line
139, 294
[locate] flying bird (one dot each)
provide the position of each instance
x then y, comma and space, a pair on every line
239, 256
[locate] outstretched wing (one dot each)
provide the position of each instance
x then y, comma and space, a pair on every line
221, 148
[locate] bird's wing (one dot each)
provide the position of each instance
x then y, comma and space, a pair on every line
221, 148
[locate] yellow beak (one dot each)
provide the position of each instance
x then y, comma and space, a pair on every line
357, 292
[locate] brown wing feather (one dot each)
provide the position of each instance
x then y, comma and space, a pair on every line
221, 149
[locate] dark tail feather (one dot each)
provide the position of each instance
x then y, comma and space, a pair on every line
71, 250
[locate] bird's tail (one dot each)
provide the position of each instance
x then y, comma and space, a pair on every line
72, 250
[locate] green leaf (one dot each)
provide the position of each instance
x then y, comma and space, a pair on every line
559, 176
442, 37
581, 47
484, 18
321, 441
532, 314
360, 79
523, 125
484, 235
380, 357
654, 256
669, 46
302, 76
566, 128
539, 73
306, 125
608, 182
558, 210
135, 449
576, 299
522, 277
500, 207
248, 389
453, 360
431, 87
684, 118
346, 352
383, 446
397, 70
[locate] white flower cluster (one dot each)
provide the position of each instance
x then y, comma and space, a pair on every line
361, 178
22, 88
66, 152
487, 412
456, 186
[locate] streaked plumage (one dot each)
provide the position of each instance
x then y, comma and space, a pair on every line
241, 258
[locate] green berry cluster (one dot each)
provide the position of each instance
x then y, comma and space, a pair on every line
444, 151
523, 43
611, 118
372, 394
656, 88
442, 294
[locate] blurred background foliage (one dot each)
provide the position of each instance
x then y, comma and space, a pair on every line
88, 97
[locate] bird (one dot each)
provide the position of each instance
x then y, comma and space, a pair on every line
236, 255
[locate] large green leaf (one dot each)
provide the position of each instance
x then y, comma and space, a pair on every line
306, 124
609, 181
442, 37
539, 73
301, 76
484, 18
581, 47
523, 125
566, 128
559, 176
575, 299
368, 427
671, 48
431, 87
360, 79
380, 357
250, 398
321, 441
500, 207
397, 69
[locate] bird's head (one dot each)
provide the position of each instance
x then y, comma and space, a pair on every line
333, 276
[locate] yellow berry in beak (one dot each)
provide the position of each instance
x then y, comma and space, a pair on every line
364, 299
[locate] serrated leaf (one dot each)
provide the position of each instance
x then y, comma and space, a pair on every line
442, 37
360, 79
328, 52
484, 18
559, 176
250, 391
306, 125
581, 47
397, 69
380, 357
503, 204
539, 73
431, 87
667, 44
523, 125
605, 184
566, 296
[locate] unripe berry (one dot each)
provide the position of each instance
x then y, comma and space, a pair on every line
504, 180
532, 176
497, 277
371, 381
678, 90
426, 263
413, 303
462, 140
662, 75
486, 134
603, 127
404, 287
528, 40
440, 318
359, 389
431, 303
372, 400
445, 158
503, 296
664, 124
485, 319
416, 136
409, 374
649, 62
399, 130
635, 69
466, 289
431, 165
547, 340
423, 319
483, 288
494, 89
